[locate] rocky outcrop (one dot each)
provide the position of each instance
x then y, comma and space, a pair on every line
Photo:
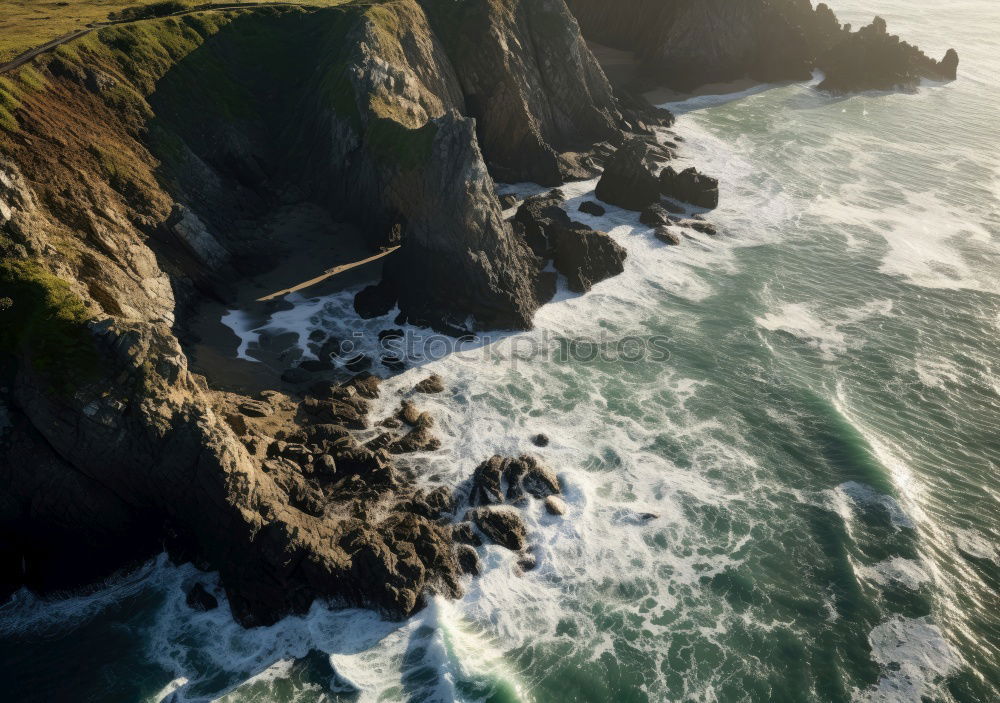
689, 186
585, 256
629, 180
686, 43
873, 59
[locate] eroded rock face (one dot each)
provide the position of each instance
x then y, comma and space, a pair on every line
530, 81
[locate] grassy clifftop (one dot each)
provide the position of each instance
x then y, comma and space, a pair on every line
25, 24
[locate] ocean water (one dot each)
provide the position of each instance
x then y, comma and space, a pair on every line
816, 429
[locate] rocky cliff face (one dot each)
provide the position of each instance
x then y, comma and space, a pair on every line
686, 43
135, 166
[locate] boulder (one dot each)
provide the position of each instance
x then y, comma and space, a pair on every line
555, 505
698, 226
486, 487
629, 180
689, 186
502, 524
468, 559
465, 533
667, 235
375, 301
431, 384
540, 440
508, 201
586, 256
589, 207
418, 439
527, 474
198, 598
654, 216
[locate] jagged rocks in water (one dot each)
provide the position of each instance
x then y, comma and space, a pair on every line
629, 180
526, 474
589, 207
667, 235
413, 416
502, 524
554, 505
654, 216
335, 412
698, 226
431, 384
418, 439
486, 486
873, 59
468, 559
366, 384
198, 598
540, 440
584, 255
465, 533
689, 186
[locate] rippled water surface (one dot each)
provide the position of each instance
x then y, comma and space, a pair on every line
821, 447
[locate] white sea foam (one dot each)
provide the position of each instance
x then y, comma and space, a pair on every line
823, 331
915, 656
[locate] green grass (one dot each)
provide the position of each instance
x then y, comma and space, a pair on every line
42, 320
25, 24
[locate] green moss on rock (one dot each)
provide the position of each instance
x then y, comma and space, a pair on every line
44, 322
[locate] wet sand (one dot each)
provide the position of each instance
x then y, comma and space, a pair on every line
322, 257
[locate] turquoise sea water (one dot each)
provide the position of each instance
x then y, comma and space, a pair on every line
821, 447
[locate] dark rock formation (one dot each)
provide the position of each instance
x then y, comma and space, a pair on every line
431, 384
591, 208
540, 440
200, 599
667, 235
689, 186
502, 524
873, 59
629, 179
683, 44
585, 256
530, 81
654, 216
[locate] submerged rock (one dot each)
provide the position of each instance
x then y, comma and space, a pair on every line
198, 598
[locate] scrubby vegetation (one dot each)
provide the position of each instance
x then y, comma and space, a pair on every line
43, 321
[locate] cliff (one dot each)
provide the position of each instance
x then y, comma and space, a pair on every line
136, 167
